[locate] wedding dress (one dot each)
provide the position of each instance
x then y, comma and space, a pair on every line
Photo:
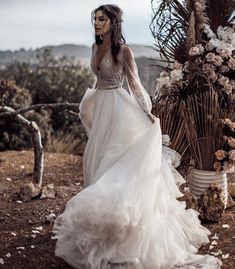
127, 216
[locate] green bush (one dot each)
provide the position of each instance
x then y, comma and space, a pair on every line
50, 81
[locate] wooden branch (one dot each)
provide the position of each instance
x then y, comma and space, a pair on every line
38, 147
6, 111
37, 107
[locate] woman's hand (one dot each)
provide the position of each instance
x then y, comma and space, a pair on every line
151, 117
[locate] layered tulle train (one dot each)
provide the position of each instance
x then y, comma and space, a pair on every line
127, 216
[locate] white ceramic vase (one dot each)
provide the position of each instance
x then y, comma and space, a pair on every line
201, 179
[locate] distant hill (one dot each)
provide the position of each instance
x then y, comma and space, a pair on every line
79, 52
82, 53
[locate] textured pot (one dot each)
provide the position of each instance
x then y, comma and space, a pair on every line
201, 179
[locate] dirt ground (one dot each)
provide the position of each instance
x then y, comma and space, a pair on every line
25, 231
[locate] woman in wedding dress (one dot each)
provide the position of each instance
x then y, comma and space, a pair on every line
127, 215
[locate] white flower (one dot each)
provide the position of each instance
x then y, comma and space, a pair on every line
223, 81
228, 167
231, 154
208, 31
231, 63
166, 140
177, 160
164, 74
176, 75
225, 256
226, 34
197, 50
224, 51
177, 65
221, 45
163, 82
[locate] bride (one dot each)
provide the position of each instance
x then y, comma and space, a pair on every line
127, 216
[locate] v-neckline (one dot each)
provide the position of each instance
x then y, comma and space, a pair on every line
98, 67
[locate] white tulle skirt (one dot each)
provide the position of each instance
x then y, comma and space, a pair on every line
127, 216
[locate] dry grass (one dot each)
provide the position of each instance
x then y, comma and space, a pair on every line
65, 143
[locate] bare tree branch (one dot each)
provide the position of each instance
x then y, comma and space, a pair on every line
38, 107
38, 147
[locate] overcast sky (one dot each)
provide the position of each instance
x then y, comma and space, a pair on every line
35, 23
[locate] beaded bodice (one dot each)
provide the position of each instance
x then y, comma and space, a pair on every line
110, 75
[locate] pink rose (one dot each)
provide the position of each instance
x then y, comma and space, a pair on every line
209, 46
224, 81
218, 60
217, 166
197, 50
228, 89
229, 123
231, 142
225, 53
224, 69
210, 57
212, 75
220, 154
231, 63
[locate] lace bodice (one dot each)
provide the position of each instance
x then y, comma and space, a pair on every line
110, 75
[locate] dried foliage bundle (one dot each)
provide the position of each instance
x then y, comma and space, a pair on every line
197, 90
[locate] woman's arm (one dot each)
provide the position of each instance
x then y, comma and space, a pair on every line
92, 55
134, 83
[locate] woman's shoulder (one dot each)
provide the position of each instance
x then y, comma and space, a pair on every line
126, 46
127, 51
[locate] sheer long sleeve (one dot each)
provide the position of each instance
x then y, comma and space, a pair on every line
134, 83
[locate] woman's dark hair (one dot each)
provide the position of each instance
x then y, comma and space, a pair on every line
114, 13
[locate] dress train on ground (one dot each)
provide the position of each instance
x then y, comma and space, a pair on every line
127, 216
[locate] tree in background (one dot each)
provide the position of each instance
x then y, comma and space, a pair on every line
51, 81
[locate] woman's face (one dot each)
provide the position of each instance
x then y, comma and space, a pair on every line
102, 23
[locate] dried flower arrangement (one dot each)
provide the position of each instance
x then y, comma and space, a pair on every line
197, 89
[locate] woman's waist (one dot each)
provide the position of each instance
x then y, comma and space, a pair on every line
108, 85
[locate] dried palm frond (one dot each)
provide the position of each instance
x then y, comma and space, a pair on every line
205, 107
220, 12
203, 124
171, 123
171, 18
168, 26
169, 106
169, 110
191, 115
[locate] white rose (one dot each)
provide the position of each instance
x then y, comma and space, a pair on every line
166, 140
228, 167
176, 75
231, 154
